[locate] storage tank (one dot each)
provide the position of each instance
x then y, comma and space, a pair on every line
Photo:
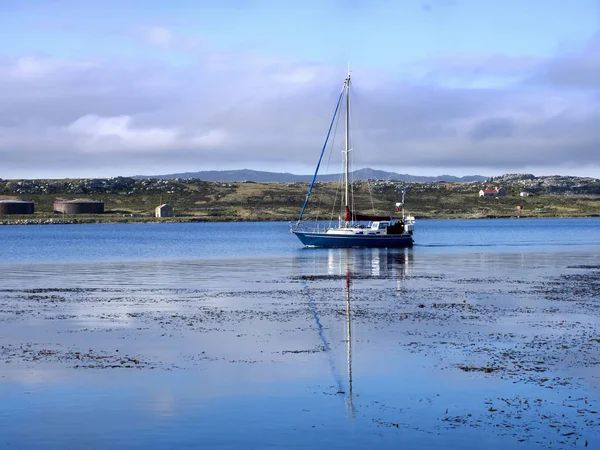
78, 206
16, 207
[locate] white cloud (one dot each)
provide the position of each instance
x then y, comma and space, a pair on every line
30, 67
299, 75
159, 36
36, 69
117, 134
243, 110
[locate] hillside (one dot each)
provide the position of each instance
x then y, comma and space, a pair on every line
129, 199
555, 184
261, 176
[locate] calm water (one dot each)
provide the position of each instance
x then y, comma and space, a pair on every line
76, 243
244, 339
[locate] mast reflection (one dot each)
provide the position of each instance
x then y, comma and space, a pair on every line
349, 339
350, 266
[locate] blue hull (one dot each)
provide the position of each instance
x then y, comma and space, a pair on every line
315, 239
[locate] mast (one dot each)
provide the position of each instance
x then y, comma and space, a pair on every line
347, 86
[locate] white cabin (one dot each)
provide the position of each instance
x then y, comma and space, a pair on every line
164, 210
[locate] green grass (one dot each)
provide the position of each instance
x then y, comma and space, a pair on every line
213, 201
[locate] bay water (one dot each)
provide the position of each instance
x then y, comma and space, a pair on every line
232, 335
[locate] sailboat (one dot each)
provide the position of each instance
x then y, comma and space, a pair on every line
354, 229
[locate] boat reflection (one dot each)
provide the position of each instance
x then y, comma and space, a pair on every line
362, 263
349, 266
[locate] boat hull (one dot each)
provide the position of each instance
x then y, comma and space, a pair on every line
327, 240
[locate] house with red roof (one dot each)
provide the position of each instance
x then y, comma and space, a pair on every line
498, 192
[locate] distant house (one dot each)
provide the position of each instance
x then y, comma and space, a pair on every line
164, 210
498, 192
524, 194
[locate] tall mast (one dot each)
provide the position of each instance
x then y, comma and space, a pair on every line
347, 198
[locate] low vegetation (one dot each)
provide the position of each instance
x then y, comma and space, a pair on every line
134, 200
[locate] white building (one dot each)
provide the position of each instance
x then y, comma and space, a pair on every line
164, 210
498, 192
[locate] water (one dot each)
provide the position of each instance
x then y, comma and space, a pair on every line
232, 335
127, 242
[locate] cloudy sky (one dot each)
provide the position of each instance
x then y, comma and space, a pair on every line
99, 88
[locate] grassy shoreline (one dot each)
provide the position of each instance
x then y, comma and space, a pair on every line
201, 201
108, 218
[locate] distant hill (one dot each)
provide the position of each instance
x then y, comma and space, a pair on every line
552, 184
260, 176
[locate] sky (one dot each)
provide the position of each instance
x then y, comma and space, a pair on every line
102, 88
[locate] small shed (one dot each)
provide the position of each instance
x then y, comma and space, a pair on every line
164, 210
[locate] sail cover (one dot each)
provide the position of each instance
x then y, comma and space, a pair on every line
351, 216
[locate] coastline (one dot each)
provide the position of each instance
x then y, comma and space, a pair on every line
133, 221
133, 201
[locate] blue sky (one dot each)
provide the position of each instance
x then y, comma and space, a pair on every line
104, 88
